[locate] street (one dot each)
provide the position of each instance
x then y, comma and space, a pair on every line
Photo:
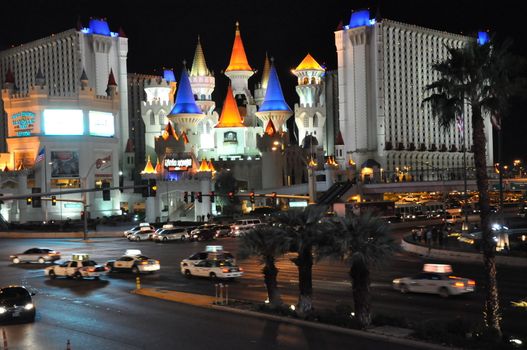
104, 315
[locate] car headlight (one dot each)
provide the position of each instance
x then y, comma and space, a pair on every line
396, 281
29, 306
2, 310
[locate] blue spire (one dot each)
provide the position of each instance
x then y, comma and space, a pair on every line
185, 103
168, 75
274, 98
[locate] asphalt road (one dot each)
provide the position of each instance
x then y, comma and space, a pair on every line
104, 315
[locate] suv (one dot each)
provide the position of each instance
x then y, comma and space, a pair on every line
16, 304
77, 269
170, 234
133, 261
243, 225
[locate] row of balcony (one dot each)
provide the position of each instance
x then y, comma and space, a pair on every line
400, 146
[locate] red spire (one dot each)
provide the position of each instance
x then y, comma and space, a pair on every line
339, 141
270, 129
122, 34
111, 79
340, 26
129, 146
9, 76
184, 137
169, 131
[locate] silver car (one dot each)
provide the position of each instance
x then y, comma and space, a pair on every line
176, 233
36, 255
142, 235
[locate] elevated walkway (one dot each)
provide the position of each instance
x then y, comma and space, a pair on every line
334, 192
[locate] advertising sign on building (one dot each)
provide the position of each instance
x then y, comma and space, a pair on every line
230, 137
177, 163
23, 123
64, 164
103, 164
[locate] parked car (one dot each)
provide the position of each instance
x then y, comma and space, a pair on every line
243, 225
36, 255
222, 231
215, 269
76, 269
141, 235
16, 304
211, 252
177, 233
143, 226
435, 279
133, 261
203, 234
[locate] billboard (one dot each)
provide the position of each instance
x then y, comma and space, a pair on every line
103, 164
101, 124
64, 164
23, 123
178, 164
63, 122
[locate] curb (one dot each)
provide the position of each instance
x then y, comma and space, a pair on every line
321, 326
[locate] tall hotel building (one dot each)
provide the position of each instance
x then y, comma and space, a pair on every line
62, 57
383, 70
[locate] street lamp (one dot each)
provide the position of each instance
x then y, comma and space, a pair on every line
85, 198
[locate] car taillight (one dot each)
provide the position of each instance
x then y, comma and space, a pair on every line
157, 262
225, 270
471, 283
239, 268
91, 269
144, 262
459, 284
106, 268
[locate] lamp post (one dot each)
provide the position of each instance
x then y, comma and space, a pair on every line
85, 198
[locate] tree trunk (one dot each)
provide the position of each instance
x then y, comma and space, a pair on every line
304, 263
491, 310
360, 280
270, 274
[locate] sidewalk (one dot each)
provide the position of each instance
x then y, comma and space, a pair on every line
385, 333
102, 232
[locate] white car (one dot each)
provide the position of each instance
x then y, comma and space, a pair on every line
133, 262
171, 234
212, 252
242, 226
442, 284
40, 255
141, 235
215, 269
143, 226
77, 269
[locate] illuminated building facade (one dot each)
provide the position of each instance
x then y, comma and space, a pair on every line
383, 70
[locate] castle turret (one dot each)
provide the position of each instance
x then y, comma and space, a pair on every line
261, 88
84, 80
40, 80
272, 145
310, 113
168, 75
239, 70
185, 114
274, 106
111, 90
202, 81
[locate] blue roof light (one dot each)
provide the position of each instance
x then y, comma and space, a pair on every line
483, 38
99, 26
274, 98
360, 18
185, 103
168, 75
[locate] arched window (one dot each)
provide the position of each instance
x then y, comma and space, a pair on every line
313, 80
162, 117
315, 121
306, 81
150, 115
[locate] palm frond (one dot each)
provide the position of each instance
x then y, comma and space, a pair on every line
264, 243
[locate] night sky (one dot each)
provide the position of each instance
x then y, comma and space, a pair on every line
164, 33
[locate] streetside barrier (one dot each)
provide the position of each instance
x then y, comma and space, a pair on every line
221, 294
460, 256
137, 283
68, 345
5, 339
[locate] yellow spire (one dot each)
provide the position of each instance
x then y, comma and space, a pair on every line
199, 66
266, 70
149, 168
204, 165
309, 63
211, 167
312, 163
238, 57
230, 115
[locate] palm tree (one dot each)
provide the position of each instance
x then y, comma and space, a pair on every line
307, 231
225, 182
364, 242
483, 77
267, 243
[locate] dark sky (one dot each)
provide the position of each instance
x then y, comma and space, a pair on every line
163, 33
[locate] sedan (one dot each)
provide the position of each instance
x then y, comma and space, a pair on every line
135, 263
16, 304
214, 269
141, 235
36, 255
178, 233
442, 284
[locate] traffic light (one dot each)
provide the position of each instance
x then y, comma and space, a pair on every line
36, 201
29, 200
145, 188
231, 196
185, 197
211, 195
105, 191
192, 197
199, 197
152, 186
53, 200
251, 197
273, 195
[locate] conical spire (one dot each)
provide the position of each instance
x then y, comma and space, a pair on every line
111, 79
238, 58
274, 98
211, 167
199, 66
185, 102
309, 63
149, 168
230, 115
270, 129
265, 73
339, 141
130, 148
84, 76
9, 76
39, 78
204, 166
169, 131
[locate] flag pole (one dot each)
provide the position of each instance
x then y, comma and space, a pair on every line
45, 185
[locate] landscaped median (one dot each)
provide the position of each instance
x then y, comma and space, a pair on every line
384, 333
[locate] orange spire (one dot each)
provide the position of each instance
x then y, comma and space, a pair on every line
230, 115
169, 131
238, 57
184, 137
270, 129
159, 167
211, 167
204, 165
149, 168
309, 63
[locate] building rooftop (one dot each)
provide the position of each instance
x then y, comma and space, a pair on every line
238, 57
199, 66
309, 63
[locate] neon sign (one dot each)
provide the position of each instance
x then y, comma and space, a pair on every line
23, 123
178, 164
